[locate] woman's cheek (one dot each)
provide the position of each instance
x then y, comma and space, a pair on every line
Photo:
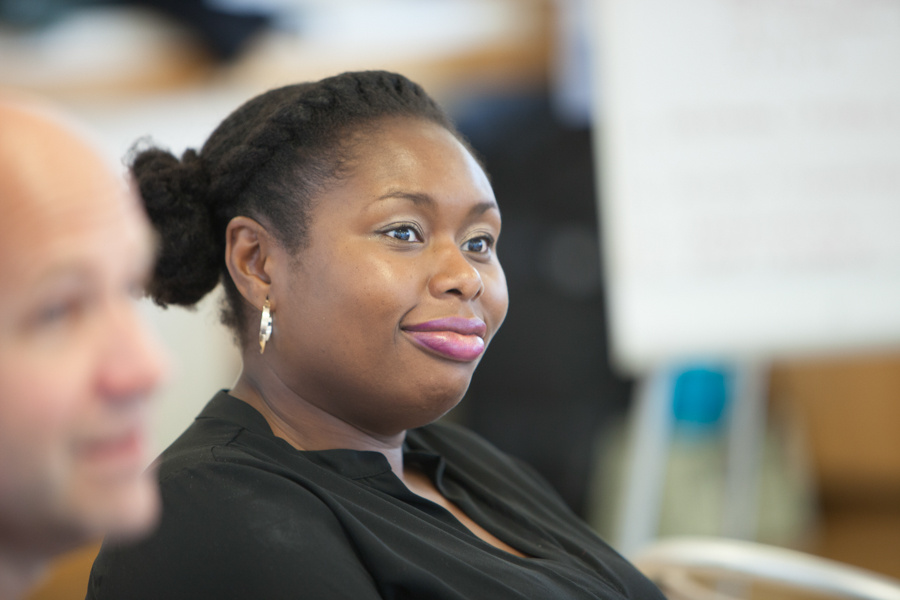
498, 296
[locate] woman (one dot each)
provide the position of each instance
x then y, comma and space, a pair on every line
355, 235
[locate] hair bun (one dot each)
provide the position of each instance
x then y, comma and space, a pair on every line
195, 173
174, 193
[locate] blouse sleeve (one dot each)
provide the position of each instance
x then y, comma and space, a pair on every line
230, 530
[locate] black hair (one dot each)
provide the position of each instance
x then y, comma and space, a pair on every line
267, 161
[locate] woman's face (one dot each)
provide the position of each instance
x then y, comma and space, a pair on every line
385, 313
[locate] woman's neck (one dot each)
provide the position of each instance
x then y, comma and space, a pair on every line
306, 426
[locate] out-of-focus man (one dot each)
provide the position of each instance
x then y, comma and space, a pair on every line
76, 362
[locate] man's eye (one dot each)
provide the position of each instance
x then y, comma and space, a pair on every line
404, 234
56, 313
53, 313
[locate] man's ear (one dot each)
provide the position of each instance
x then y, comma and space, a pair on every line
248, 248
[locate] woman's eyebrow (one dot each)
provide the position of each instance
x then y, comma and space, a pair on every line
426, 200
483, 207
415, 198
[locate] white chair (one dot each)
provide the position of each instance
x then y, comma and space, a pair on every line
695, 568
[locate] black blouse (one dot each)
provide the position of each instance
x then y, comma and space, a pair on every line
245, 515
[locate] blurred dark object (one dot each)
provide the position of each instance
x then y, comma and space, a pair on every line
544, 389
39, 13
224, 33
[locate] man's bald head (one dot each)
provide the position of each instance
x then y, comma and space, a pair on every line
38, 151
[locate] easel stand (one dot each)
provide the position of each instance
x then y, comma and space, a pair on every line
649, 443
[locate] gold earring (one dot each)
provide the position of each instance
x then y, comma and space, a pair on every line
265, 326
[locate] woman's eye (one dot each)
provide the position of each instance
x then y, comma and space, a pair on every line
479, 245
404, 233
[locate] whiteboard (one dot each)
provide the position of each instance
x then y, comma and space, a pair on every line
750, 176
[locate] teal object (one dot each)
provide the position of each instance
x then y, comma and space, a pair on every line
700, 395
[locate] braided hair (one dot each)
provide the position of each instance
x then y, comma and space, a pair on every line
267, 161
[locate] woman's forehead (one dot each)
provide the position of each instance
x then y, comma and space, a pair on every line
400, 148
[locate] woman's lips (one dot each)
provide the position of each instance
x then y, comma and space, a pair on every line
456, 338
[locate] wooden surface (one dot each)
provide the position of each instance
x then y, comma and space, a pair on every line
68, 576
851, 411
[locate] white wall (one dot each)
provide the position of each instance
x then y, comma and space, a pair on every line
203, 356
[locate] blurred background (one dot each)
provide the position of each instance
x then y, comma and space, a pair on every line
562, 383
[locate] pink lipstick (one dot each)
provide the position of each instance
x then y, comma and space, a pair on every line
456, 338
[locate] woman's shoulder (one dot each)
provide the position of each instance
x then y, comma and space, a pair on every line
227, 431
232, 516
232, 529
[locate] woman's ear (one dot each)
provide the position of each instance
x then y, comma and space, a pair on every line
248, 256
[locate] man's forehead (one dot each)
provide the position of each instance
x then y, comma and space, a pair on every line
54, 189
47, 171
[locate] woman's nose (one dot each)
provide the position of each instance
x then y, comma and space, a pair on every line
455, 274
